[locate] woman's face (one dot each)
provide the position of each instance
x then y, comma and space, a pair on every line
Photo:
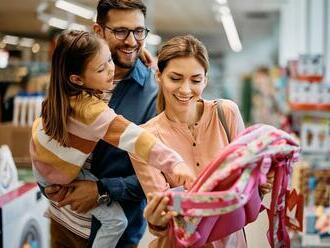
182, 81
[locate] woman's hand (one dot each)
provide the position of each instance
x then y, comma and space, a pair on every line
267, 187
185, 175
156, 211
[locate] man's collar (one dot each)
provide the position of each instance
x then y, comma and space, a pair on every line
138, 73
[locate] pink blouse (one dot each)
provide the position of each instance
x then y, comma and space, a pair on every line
198, 146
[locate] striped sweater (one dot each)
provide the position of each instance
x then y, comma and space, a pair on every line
90, 121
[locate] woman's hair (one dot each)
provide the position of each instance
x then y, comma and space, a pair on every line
178, 47
104, 6
73, 51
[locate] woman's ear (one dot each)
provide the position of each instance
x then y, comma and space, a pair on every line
206, 80
157, 76
75, 79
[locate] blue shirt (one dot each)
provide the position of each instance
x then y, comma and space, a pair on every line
135, 99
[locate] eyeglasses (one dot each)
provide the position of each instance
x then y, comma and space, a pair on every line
123, 33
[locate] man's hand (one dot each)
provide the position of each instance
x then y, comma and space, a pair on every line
82, 197
148, 59
56, 193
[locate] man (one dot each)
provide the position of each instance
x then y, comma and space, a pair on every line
122, 24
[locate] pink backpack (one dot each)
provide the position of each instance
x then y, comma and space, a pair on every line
225, 196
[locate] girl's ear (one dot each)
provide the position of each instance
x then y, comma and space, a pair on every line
75, 79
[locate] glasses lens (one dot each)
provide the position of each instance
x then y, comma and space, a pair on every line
121, 34
140, 34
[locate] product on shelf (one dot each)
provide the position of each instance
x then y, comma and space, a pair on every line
307, 90
310, 67
300, 174
322, 191
315, 135
26, 108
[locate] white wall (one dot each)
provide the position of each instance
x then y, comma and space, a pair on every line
261, 51
304, 29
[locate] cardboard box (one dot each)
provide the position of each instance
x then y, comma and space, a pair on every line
18, 140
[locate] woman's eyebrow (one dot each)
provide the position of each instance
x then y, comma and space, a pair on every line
176, 73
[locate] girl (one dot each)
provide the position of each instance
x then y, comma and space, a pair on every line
74, 118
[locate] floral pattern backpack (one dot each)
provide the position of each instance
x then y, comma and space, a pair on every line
225, 196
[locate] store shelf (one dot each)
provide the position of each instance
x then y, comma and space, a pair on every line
311, 107
313, 240
320, 114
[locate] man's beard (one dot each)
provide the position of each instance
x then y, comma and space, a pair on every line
124, 64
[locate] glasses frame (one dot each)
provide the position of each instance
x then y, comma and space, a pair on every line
113, 30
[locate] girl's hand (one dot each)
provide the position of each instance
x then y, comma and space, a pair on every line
185, 175
267, 187
156, 212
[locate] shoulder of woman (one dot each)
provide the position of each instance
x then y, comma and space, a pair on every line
152, 124
228, 107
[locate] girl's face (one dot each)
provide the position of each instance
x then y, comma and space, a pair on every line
182, 81
99, 71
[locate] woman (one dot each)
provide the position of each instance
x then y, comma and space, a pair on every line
189, 125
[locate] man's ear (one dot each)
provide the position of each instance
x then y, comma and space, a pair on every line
97, 28
75, 79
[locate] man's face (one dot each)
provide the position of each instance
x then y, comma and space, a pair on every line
124, 52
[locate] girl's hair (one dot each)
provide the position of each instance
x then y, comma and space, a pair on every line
73, 51
177, 47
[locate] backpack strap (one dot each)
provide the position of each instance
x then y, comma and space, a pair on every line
223, 121
222, 118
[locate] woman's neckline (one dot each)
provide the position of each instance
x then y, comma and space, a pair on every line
200, 112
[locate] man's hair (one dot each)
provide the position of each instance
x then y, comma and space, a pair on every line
104, 6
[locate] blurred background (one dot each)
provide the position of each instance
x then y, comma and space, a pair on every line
272, 57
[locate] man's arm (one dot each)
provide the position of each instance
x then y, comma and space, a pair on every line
123, 188
83, 194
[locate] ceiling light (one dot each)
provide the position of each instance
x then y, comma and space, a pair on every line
224, 10
153, 39
2, 45
26, 42
76, 26
75, 9
57, 23
35, 48
231, 33
221, 1
10, 39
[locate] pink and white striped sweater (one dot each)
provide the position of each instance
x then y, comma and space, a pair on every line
90, 121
